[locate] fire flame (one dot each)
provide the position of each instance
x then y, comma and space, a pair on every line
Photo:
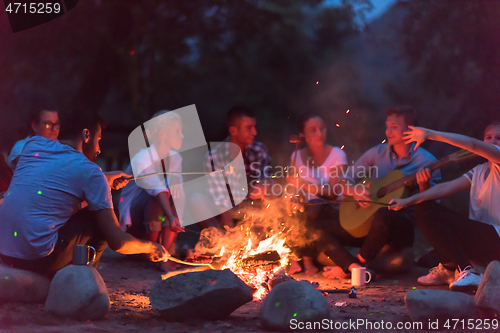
258, 278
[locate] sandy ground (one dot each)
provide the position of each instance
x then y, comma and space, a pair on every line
130, 281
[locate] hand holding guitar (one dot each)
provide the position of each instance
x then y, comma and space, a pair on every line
423, 178
398, 204
365, 196
416, 134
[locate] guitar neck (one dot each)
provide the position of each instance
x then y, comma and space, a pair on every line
410, 179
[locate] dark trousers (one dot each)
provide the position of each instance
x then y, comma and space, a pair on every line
81, 229
388, 227
457, 240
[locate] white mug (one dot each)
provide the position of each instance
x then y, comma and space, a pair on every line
358, 276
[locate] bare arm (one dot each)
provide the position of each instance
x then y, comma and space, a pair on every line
164, 200
124, 243
435, 192
486, 150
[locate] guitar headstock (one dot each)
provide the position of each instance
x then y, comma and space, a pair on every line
461, 155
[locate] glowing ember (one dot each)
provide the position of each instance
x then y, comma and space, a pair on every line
384, 141
347, 111
342, 147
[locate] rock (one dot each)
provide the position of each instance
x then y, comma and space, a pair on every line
208, 295
20, 286
431, 304
78, 292
488, 293
293, 300
392, 261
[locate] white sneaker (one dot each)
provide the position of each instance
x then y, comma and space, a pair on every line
466, 281
437, 276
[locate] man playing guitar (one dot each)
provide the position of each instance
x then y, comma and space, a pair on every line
388, 226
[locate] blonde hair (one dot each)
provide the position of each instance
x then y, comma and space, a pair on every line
165, 119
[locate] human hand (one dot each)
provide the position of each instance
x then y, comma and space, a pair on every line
416, 134
423, 177
364, 196
117, 179
175, 224
158, 253
398, 204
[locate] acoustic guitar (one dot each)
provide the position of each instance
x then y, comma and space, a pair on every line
357, 220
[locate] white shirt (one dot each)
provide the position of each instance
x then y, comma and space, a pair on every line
50, 182
485, 194
319, 175
146, 161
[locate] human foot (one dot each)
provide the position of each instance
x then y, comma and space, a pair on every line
334, 272
294, 267
309, 266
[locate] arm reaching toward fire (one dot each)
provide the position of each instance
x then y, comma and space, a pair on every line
435, 192
486, 150
124, 243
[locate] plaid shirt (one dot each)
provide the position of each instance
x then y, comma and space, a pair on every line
256, 159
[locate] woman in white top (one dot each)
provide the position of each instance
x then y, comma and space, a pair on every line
460, 242
319, 166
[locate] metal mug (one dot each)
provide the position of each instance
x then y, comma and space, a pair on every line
81, 255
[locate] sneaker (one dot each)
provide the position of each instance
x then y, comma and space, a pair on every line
437, 276
466, 281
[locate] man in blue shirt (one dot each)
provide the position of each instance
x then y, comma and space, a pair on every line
41, 219
388, 227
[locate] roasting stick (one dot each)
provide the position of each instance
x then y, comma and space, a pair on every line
231, 170
333, 201
188, 263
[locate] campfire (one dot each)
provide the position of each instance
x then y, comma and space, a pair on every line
257, 249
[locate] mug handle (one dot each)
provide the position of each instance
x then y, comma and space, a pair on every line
369, 276
93, 256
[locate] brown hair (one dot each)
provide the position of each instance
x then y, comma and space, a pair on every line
491, 124
406, 112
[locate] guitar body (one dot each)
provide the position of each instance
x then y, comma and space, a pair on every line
357, 220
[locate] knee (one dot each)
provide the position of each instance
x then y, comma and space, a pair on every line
382, 216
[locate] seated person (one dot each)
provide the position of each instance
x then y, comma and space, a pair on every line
40, 218
314, 165
43, 122
241, 126
463, 244
388, 227
146, 207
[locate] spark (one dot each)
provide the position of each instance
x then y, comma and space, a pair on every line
383, 141
347, 111
268, 206
342, 147
337, 125
317, 82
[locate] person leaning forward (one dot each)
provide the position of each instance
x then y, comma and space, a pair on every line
41, 219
